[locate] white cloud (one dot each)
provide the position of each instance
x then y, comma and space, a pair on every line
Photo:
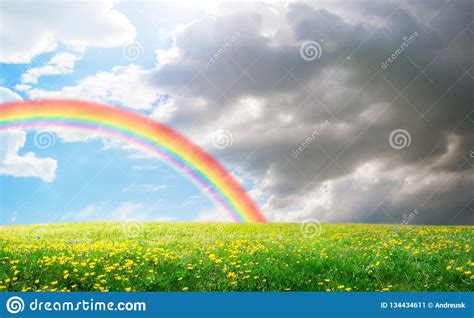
11, 142
123, 86
164, 111
126, 211
40, 26
145, 187
145, 167
27, 165
7, 95
215, 215
61, 63
22, 87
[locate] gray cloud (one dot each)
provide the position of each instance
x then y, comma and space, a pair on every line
270, 99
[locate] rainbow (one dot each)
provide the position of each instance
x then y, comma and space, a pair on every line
171, 146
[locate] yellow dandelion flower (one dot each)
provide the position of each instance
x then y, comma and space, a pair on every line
231, 275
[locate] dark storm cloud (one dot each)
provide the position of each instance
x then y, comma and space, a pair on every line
272, 100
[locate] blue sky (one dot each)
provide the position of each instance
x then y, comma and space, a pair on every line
149, 187
332, 111
109, 186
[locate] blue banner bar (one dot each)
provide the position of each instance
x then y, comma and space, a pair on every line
407, 304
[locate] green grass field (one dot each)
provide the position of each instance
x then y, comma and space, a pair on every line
235, 257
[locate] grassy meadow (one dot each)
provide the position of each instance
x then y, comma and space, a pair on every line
235, 257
